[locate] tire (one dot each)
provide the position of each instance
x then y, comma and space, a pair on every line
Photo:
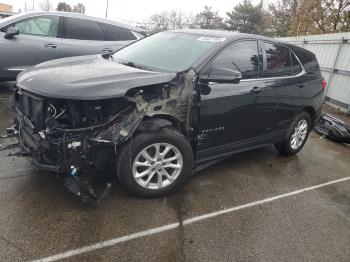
133, 153
288, 147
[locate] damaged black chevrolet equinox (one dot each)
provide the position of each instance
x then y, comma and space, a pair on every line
166, 105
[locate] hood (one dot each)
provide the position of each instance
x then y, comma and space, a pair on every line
86, 78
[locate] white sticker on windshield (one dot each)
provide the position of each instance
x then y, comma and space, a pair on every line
211, 39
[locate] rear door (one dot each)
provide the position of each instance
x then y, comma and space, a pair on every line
85, 37
281, 97
227, 112
37, 42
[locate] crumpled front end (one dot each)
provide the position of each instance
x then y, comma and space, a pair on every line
59, 134
72, 136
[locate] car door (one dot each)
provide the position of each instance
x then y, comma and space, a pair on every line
86, 37
118, 36
227, 110
280, 99
36, 42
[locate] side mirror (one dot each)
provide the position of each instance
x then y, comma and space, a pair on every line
11, 32
221, 75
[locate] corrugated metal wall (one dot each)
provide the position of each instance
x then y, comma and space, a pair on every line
333, 54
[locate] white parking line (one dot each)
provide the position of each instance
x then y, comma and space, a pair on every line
195, 219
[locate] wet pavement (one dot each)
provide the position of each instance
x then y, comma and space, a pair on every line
40, 218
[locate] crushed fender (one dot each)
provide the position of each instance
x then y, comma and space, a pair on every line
78, 138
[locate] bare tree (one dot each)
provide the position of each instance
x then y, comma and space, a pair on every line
165, 20
79, 8
209, 19
45, 5
193, 21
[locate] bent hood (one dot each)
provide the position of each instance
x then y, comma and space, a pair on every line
86, 78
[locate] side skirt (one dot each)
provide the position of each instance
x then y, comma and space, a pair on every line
210, 156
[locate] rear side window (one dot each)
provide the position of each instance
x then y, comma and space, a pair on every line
46, 26
117, 33
296, 67
307, 59
82, 29
241, 56
278, 61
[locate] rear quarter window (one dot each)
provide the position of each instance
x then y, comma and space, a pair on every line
307, 58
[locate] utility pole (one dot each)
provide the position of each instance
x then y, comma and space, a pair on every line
33, 5
107, 9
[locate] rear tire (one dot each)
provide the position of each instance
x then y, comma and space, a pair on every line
145, 166
296, 135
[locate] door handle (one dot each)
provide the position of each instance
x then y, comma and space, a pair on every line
50, 45
256, 89
301, 85
107, 50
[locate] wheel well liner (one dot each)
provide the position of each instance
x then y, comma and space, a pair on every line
153, 124
311, 112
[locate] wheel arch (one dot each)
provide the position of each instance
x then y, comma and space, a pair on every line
154, 123
311, 111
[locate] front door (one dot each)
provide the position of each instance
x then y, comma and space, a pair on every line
37, 42
227, 111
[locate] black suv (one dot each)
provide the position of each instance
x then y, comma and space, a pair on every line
167, 105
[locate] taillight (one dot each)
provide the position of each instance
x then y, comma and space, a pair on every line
324, 84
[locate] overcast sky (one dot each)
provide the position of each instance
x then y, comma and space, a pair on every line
136, 10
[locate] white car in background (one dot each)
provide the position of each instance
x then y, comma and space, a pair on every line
32, 38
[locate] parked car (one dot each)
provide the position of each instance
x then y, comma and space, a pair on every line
167, 105
32, 38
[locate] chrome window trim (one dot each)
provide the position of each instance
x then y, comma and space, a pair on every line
303, 72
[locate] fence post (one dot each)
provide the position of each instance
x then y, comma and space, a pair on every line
341, 43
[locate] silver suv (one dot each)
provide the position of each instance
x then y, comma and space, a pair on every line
32, 38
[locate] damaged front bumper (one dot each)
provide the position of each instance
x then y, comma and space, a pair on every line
76, 153
333, 128
58, 150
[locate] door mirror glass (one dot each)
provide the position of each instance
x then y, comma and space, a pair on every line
11, 32
221, 74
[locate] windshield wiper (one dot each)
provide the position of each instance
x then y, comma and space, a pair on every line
131, 64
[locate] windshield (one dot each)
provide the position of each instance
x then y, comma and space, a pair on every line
166, 51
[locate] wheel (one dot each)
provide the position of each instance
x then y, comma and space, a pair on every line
296, 135
154, 164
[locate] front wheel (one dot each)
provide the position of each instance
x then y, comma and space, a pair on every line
154, 164
296, 135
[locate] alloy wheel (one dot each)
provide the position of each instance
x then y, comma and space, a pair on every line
157, 166
299, 134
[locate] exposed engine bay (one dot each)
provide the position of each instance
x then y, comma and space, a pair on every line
78, 138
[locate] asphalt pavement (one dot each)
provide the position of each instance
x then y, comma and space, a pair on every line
253, 206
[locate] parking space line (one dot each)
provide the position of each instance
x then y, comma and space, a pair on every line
188, 221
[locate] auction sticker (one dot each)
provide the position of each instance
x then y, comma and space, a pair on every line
211, 39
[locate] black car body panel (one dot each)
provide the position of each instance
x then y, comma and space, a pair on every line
78, 111
333, 128
87, 78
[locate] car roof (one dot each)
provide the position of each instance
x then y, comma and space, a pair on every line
76, 15
229, 35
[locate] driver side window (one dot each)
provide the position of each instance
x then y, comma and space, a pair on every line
241, 56
46, 26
